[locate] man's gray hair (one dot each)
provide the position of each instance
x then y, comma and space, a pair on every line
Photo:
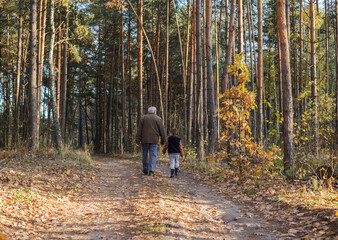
152, 110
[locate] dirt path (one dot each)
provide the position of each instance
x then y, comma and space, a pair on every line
125, 204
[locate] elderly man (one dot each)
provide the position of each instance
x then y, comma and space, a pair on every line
149, 130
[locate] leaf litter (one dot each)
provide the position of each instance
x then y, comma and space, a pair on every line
45, 197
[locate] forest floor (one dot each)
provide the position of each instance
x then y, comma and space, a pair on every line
112, 199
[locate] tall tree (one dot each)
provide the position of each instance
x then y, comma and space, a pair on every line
123, 88
300, 107
336, 38
199, 96
240, 25
64, 76
211, 88
288, 146
327, 30
139, 60
225, 78
18, 77
167, 67
260, 74
56, 123
33, 94
313, 72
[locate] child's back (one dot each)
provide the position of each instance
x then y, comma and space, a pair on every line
175, 149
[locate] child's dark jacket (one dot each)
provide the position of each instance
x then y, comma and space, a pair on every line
174, 146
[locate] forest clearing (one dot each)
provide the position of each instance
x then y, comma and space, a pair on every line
243, 92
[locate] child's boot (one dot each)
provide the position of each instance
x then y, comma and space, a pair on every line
176, 171
172, 173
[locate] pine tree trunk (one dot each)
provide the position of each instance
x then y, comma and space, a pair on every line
33, 93
15, 138
240, 25
288, 147
336, 39
56, 123
139, 61
64, 78
313, 73
167, 67
184, 69
199, 128
123, 144
300, 106
327, 30
98, 100
205, 77
192, 75
211, 89
41, 52
260, 74
225, 78
58, 60
130, 99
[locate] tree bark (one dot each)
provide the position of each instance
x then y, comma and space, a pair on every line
167, 67
130, 98
313, 73
58, 60
33, 92
64, 78
211, 88
260, 74
288, 147
200, 140
300, 106
123, 137
139, 61
336, 39
225, 78
15, 137
327, 30
41, 53
240, 25
56, 123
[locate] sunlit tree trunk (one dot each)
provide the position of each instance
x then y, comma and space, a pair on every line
98, 99
211, 88
327, 30
139, 61
336, 39
33, 93
16, 122
260, 74
130, 97
56, 123
58, 61
64, 77
199, 102
225, 78
123, 137
240, 25
167, 66
300, 106
192, 75
288, 146
313, 73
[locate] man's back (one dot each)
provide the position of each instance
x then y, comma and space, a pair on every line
150, 129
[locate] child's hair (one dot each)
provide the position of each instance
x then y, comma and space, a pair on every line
173, 131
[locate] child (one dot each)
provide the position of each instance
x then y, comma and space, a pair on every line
175, 149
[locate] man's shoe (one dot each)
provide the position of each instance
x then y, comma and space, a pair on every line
172, 173
176, 171
145, 172
151, 173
